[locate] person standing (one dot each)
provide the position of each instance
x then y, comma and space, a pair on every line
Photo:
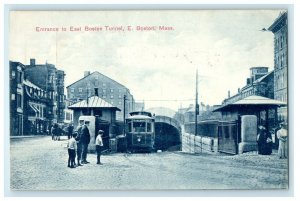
282, 137
50, 129
72, 151
70, 130
264, 141
79, 142
85, 139
99, 145
54, 131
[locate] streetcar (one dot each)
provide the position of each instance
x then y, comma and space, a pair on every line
140, 132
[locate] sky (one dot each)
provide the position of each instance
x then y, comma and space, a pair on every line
157, 66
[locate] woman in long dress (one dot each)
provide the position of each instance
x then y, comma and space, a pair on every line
282, 137
264, 140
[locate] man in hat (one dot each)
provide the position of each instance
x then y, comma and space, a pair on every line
85, 139
282, 137
99, 145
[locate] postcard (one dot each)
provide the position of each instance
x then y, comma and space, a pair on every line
148, 100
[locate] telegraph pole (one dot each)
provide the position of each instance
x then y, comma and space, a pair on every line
196, 103
124, 115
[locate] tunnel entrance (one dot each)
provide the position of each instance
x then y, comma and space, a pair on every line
167, 137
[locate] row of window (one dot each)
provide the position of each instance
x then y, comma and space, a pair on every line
281, 41
280, 61
280, 82
80, 89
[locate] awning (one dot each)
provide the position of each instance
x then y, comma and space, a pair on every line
93, 102
32, 110
258, 101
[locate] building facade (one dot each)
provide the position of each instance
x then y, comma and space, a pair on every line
48, 78
35, 109
260, 83
106, 88
280, 30
16, 96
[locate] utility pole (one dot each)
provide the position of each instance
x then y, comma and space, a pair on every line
124, 114
196, 104
197, 111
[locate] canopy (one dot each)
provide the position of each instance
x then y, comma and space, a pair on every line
93, 102
258, 101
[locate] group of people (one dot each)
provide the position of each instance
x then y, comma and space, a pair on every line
56, 131
78, 145
264, 141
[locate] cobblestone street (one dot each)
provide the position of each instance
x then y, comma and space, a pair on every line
41, 164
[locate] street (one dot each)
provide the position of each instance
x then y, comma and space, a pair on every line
41, 164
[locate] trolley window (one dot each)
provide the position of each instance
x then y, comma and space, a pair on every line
139, 126
149, 129
129, 126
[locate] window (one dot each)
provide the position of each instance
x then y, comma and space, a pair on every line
139, 126
13, 74
104, 84
111, 96
20, 79
111, 90
104, 90
72, 90
13, 97
129, 127
149, 129
104, 96
19, 100
79, 89
120, 95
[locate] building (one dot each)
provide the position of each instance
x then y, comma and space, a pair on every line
68, 113
106, 88
95, 106
35, 109
280, 30
51, 80
260, 83
16, 96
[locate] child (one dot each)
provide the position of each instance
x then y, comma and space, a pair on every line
99, 144
71, 151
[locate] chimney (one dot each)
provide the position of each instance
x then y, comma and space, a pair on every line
96, 92
248, 81
228, 93
86, 73
32, 62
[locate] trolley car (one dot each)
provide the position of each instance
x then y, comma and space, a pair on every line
140, 131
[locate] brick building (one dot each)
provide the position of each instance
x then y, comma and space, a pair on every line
260, 83
16, 96
106, 88
280, 30
51, 80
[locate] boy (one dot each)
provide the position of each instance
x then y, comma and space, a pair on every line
71, 151
99, 144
